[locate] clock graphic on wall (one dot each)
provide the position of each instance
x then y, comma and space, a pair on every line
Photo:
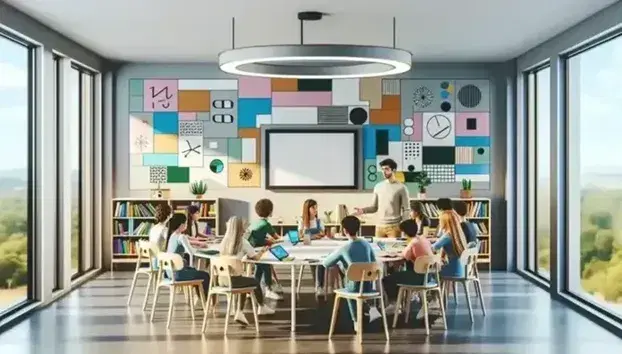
438, 126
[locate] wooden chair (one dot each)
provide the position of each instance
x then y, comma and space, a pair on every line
171, 262
147, 252
428, 266
469, 259
362, 272
227, 267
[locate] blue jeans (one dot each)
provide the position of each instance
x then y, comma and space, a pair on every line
320, 273
354, 287
189, 273
265, 271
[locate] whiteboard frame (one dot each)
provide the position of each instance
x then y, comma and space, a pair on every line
356, 130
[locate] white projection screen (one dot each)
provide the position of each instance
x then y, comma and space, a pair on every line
311, 159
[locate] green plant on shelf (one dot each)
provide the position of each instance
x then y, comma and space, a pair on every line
466, 184
422, 180
198, 188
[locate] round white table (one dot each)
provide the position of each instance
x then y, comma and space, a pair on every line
306, 255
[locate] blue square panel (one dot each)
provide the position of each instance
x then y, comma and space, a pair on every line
249, 108
369, 138
480, 169
165, 122
160, 159
472, 141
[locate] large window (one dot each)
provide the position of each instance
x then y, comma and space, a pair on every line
16, 173
79, 150
594, 175
539, 170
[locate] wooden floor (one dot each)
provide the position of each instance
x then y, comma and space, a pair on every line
94, 319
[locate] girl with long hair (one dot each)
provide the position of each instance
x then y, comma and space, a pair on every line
452, 242
177, 242
310, 226
235, 244
192, 226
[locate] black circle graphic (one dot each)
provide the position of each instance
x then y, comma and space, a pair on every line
480, 151
411, 168
216, 166
372, 177
470, 96
358, 116
246, 174
444, 85
445, 106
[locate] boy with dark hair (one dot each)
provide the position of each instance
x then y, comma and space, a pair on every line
444, 204
390, 201
357, 250
470, 233
263, 234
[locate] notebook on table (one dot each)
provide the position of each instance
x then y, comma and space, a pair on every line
280, 253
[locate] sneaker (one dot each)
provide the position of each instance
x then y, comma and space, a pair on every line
434, 308
374, 314
240, 318
271, 294
265, 310
319, 291
390, 310
277, 287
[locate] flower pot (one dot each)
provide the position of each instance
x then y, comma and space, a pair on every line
422, 195
465, 194
198, 196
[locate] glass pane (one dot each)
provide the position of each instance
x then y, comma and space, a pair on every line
543, 170
14, 138
87, 119
595, 175
73, 148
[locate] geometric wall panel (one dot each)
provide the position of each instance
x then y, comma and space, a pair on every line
472, 95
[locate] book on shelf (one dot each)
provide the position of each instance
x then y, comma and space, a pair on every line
480, 227
205, 209
142, 229
119, 228
127, 247
133, 210
478, 209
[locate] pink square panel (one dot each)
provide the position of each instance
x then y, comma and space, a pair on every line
160, 95
473, 124
254, 87
187, 116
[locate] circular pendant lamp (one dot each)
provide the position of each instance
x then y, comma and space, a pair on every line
315, 61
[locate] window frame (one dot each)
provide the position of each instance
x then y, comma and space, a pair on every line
31, 183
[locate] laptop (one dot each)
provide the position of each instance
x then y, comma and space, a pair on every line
294, 237
280, 253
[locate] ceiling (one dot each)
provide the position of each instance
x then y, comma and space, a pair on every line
447, 31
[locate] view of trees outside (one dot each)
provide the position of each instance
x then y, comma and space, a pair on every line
594, 78
73, 146
14, 121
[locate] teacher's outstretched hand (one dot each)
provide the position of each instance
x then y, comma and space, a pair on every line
358, 211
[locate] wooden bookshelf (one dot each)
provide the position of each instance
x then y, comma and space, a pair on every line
478, 214
132, 219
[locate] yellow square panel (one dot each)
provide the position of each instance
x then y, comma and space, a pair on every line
165, 143
244, 175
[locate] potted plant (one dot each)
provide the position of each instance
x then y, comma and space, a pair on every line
328, 214
423, 181
465, 192
198, 189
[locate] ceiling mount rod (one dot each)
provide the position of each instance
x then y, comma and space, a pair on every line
307, 16
394, 41
233, 33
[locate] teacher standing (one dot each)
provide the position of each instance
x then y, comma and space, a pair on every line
390, 202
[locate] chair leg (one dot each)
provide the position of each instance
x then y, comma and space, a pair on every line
359, 320
440, 300
468, 299
424, 302
202, 298
190, 292
170, 307
398, 306
300, 274
147, 291
254, 304
206, 311
384, 318
155, 301
134, 280
407, 298
478, 290
455, 290
229, 303
333, 318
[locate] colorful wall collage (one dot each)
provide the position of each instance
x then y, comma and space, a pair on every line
200, 129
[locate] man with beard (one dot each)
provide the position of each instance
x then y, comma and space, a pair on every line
390, 202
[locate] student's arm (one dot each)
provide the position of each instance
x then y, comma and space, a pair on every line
334, 257
408, 250
271, 232
441, 243
249, 251
373, 207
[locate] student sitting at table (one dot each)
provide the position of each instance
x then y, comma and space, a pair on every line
452, 242
159, 231
357, 250
193, 215
417, 214
312, 228
469, 229
263, 234
177, 242
235, 244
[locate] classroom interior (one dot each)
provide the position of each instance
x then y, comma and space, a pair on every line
122, 108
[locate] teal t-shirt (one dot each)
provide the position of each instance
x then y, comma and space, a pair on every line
259, 230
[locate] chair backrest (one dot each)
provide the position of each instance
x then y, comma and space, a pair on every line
469, 260
170, 262
225, 267
363, 272
147, 251
429, 265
